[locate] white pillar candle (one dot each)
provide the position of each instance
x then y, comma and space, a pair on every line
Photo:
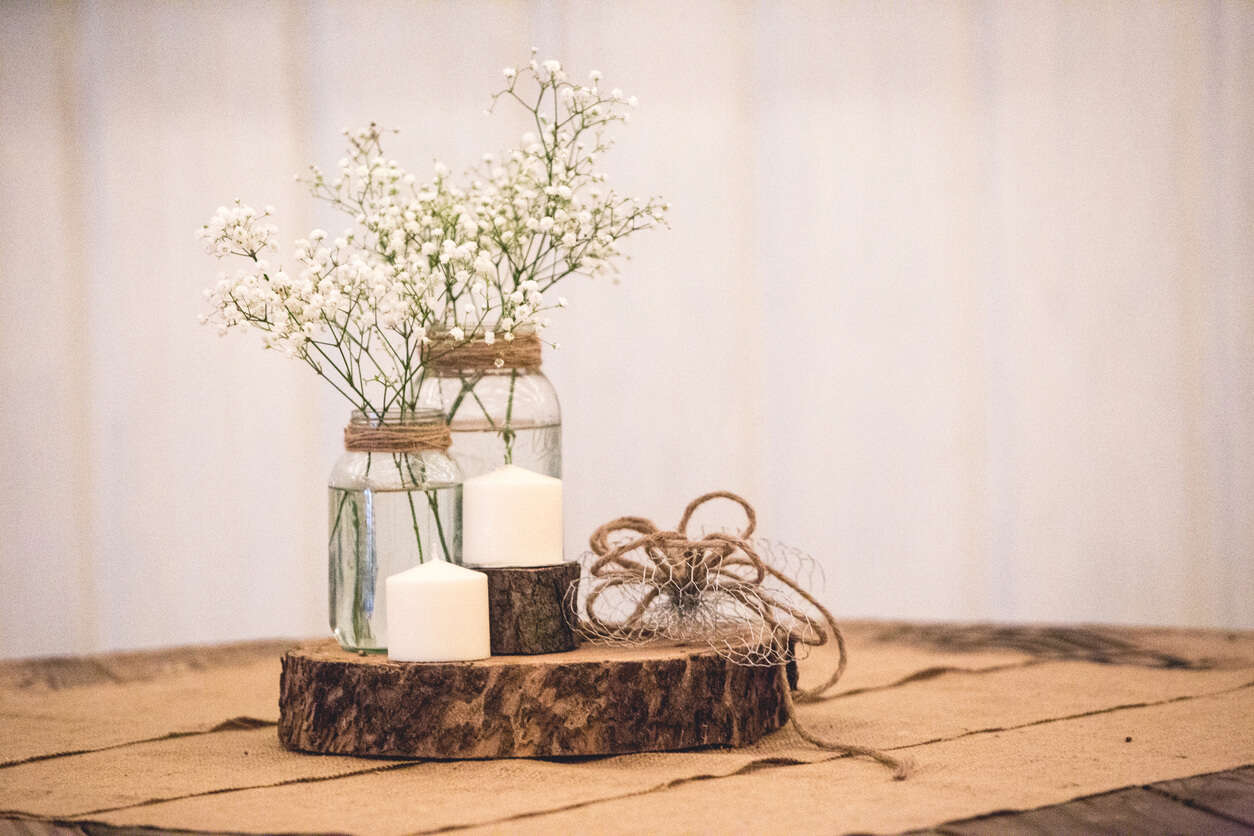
438, 612
512, 517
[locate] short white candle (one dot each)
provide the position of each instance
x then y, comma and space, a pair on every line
438, 612
512, 517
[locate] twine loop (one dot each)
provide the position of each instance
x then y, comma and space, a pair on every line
652, 565
444, 354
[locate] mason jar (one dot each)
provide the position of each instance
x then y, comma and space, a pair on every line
395, 502
500, 407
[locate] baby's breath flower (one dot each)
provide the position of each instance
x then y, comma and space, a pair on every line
475, 256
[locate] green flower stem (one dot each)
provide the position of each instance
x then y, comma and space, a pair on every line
468, 387
413, 516
484, 408
339, 512
507, 432
409, 495
434, 501
363, 551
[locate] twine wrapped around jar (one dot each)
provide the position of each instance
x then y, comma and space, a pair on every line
445, 354
403, 437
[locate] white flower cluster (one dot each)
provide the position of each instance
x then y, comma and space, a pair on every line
474, 261
238, 230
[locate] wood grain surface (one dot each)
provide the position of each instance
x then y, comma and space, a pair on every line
591, 701
527, 608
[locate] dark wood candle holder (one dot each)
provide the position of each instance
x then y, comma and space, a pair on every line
527, 608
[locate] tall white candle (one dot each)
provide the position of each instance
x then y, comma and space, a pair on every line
512, 517
438, 612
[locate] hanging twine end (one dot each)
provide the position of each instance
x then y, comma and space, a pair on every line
901, 767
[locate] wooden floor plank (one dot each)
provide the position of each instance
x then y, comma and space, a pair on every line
1229, 793
1134, 810
1217, 802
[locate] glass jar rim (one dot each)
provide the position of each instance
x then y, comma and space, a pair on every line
477, 333
417, 416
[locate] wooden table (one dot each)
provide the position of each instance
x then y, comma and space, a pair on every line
1012, 729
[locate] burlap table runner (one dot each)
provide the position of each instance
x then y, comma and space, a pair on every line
995, 719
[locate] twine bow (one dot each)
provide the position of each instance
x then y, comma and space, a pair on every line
712, 588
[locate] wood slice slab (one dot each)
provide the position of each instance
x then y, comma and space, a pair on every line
594, 700
527, 608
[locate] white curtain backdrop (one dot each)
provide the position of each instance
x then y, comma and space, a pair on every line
960, 295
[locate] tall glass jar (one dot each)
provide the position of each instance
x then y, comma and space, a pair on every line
395, 502
500, 407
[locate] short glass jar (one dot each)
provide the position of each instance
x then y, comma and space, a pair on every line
500, 407
395, 502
